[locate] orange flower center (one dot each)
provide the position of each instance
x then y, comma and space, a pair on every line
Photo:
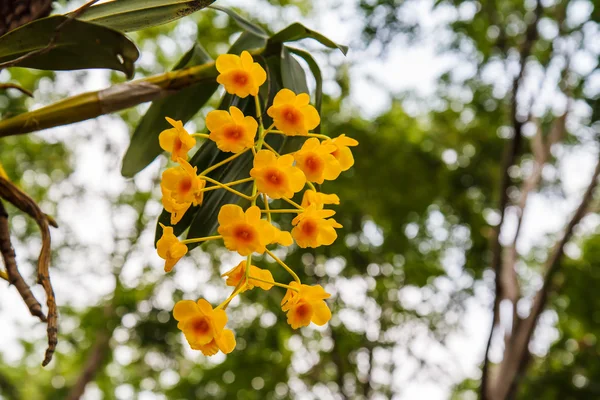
309, 227
185, 185
240, 78
303, 311
313, 163
244, 233
177, 145
233, 132
275, 177
200, 326
291, 115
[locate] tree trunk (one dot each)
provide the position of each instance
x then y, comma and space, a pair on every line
14, 13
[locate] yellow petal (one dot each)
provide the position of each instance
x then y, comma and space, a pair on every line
236, 114
247, 60
226, 62
216, 119
264, 158
185, 309
219, 318
230, 213
252, 215
166, 139
284, 96
204, 307
311, 117
226, 341
258, 74
321, 313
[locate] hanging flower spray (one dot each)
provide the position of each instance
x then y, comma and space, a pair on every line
274, 176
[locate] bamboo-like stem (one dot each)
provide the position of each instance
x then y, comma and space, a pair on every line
116, 98
288, 269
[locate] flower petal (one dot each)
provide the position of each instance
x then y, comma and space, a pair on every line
226, 341
230, 213
185, 309
321, 313
226, 62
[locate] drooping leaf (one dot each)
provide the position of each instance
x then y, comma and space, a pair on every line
243, 22
133, 15
247, 41
297, 31
144, 146
76, 45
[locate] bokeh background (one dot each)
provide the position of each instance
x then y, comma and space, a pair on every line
427, 90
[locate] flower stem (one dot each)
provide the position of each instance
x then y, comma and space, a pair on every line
214, 181
275, 283
225, 161
288, 269
202, 239
200, 135
311, 186
272, 149
281, 211
299, 207
317, 135
240, 286
267, 210
208, 189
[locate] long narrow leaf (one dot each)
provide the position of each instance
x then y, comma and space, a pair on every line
76, 45
133, 15
298, 31
243, 22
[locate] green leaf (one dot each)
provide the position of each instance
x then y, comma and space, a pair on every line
78, 45
247, 41
133, 15
243, 22
316, 71
298, 31
183, 105
292, 73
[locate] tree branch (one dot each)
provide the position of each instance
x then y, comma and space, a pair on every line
95, 360
516, 355
23, 202
14, 276
510, 155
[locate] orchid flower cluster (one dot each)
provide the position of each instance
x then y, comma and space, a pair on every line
275, 177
